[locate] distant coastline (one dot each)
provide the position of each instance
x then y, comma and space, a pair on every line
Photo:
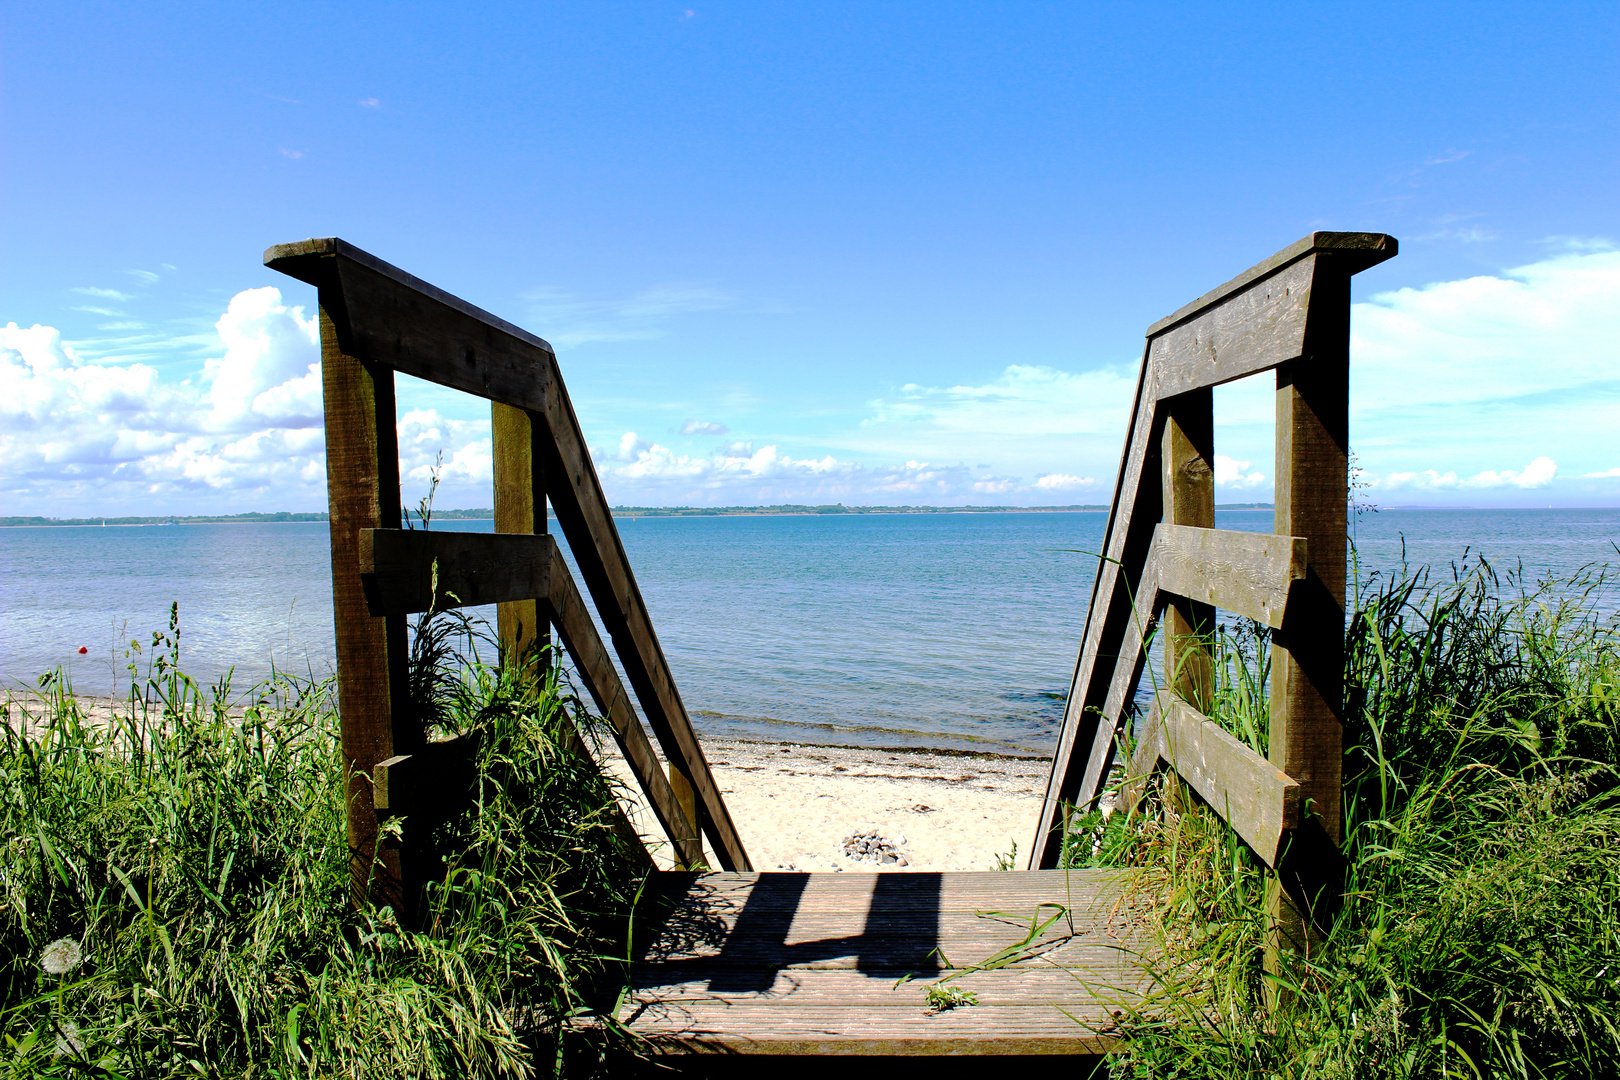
485, 514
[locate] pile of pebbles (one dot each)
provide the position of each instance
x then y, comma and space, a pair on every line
871, 846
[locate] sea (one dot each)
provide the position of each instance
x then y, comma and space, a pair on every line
939, 631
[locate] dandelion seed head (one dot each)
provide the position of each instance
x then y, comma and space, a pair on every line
61, 956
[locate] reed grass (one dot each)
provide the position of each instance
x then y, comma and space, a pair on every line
1480, 929
175, 893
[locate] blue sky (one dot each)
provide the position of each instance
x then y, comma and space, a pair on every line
813, 252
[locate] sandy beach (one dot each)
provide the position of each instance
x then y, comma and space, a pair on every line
796, 807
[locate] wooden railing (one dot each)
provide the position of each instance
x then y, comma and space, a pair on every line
375, 320
1162, 554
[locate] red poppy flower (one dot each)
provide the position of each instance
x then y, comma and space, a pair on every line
83, 650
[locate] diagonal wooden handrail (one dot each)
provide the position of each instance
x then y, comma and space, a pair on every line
1278, 314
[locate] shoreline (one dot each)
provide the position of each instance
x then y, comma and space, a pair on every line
796, 805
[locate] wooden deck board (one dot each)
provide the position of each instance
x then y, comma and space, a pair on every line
795, 963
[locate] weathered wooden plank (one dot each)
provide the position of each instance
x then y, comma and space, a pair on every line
1257, 320
362, 481
1249, 574
1311, 497
1259, 800
1146, 604
393, 318
583, 514
520, 507
867, 1030
1249, 331
1354, 251
566, 609
397, 567
809, 963
1187, 457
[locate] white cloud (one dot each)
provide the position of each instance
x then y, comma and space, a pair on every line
107, 294
370, 103
78, 437
1231, 473
1605, 472
703, 427
740, 475
1063, 482
1552, 324
1538, 474
1026, 401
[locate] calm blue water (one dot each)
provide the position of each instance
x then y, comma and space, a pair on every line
949, 631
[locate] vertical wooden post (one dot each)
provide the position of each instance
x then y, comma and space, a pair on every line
1307, 665
1188, 458
520, 507
686, 798
362, 482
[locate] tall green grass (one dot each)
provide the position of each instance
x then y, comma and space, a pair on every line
175, 891
1480, 930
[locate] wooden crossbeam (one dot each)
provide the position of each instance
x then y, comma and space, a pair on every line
407, 572
1248, 574
387, 319
1255, 797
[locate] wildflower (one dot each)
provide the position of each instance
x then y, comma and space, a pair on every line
61, 956
83, 650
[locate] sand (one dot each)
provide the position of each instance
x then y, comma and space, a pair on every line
795, 806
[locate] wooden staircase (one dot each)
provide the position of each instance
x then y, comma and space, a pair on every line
735, 963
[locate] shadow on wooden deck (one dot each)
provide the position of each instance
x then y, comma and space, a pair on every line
794, 964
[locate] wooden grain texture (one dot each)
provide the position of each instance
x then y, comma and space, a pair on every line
391, 318
362, 479
397, 569
809, 963
565, 608
1312, 497
1256, 798
1354, 251
1248, 574
1246, 332
520, 507
1187, 457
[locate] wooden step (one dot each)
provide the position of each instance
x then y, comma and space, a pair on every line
841, 963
